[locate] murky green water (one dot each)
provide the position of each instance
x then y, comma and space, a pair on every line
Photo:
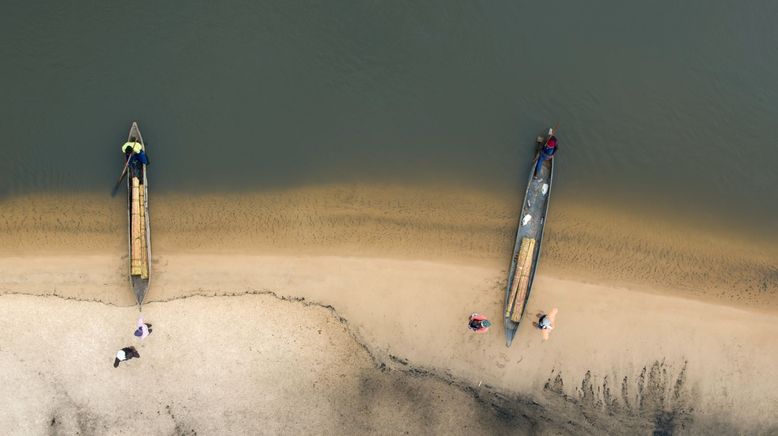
672, 102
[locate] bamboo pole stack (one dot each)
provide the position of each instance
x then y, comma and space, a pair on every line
520, 282
144, 252
135, 229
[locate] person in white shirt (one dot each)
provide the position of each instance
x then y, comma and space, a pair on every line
125, 353
546, 322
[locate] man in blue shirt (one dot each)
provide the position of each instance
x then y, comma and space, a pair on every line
135, 151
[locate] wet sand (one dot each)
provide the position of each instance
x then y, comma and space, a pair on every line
693, 256
349, 315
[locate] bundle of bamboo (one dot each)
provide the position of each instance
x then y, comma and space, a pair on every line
135, 228
144, 253
520, 283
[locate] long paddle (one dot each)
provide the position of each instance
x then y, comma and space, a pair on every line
121, 176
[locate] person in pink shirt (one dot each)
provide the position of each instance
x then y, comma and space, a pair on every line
143, 329
479, 323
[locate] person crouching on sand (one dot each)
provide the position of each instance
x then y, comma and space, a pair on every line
125, 353
546, 322
479, 323
143, 329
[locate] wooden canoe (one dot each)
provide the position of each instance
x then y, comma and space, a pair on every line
526, 250
138, 230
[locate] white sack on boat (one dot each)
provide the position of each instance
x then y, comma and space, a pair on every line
527, 218
544, 188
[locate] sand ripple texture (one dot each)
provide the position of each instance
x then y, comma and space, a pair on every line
582, 241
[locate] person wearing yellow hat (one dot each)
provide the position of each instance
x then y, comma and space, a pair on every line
135, 147
135, 151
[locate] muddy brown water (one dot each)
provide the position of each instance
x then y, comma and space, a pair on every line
669, 105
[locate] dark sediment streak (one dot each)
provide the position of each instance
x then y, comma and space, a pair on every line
658, 401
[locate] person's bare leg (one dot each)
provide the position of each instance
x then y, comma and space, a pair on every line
552, 315
552, 318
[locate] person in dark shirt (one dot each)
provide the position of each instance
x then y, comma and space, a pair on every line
136, 152
547, 151
479, 323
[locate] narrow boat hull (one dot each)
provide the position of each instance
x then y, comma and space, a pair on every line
526, 250
138, 229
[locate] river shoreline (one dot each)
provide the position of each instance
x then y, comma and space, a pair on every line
583, 242
619, 359
661, 328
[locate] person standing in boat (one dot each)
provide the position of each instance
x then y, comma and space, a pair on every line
135, 151
547, 151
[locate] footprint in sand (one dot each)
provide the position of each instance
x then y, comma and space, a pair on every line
502, 360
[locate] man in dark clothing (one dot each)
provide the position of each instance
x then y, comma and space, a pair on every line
547, 151
479, 323
134, 151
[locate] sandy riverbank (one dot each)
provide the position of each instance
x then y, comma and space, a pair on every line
620, 359
247, 365
583, 242
321, 313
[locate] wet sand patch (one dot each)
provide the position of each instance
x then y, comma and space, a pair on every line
590, 242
